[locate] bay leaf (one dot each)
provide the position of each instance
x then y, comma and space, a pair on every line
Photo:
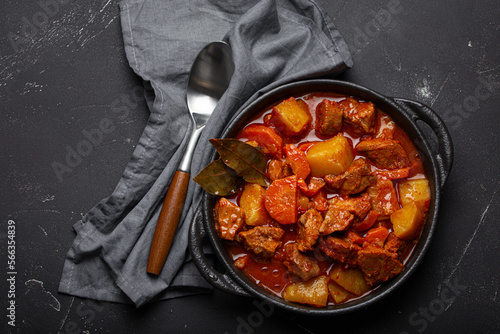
218, 179
247, 161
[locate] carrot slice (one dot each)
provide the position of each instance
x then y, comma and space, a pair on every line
354, 237
393, 174
377, 236
297, 160
366, 223
266, 137
320, 201
281, 200
306, 145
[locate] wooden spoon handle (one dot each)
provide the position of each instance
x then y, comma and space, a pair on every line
167, 222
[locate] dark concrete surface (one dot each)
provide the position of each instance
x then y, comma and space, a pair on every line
63, 79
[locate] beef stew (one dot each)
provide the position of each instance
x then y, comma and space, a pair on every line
343, 206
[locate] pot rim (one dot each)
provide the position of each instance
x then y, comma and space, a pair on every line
406, 119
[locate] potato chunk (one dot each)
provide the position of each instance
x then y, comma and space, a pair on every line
290, 117
252, 202
338, 294
313, 292
416, 191
407, 221
352, 280
332, 156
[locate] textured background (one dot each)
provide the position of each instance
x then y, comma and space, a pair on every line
63, 70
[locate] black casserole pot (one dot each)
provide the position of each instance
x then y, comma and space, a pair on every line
437, 160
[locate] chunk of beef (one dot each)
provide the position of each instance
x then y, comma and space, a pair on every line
262, 240
378, 264
300, 264
328, 118
386, 126
336, 220
278, 169
384, 153
354, 237
319, 201
341, 250
359, 206
413, 155
361, 116
241, 262
303, 203
229, 219
394, 245
311, 189
383, 198
308, 229
354, 180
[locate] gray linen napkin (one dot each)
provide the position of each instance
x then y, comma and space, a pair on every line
273, 42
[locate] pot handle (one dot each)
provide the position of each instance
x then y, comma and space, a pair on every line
420, 111
221, 281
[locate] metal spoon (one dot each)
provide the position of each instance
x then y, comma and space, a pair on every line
209, 78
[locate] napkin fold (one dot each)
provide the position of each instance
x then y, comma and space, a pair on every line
273, 42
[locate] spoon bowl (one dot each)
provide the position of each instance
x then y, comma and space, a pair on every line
209, 78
